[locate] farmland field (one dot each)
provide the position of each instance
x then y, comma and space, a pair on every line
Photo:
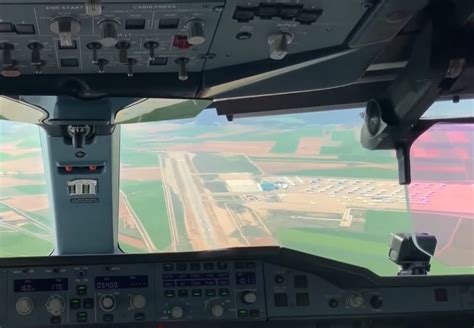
301, 181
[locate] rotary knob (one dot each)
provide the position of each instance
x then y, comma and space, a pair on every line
278, 44
195, 29
109, 32
138, 301
107, 303
66, 28
249, 297
355, 300
24, 306
217, 310
55, 305
177, 312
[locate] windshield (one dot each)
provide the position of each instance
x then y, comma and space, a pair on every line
25, 225
302, 181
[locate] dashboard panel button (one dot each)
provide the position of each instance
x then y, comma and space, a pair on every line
301, 281
88, 303
280, 299
108, 317
302, 299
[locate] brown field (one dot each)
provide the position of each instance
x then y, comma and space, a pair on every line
140, 173
13, 151
29, 203
33, 165
137, 243
11, 181
309, 146
249, 148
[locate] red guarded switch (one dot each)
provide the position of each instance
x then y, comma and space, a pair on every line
181, 42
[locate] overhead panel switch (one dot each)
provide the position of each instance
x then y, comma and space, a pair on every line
278, 44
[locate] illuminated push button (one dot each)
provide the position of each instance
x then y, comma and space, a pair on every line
217, 310
177, 312
24, 306
137, 301
107, 303
55, 305
249, 297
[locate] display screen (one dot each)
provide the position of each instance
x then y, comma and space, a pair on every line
40, 285
245, 278
118, 282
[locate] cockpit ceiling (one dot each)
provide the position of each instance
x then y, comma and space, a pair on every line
217, 50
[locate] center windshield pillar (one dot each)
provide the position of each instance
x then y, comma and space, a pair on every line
82, 163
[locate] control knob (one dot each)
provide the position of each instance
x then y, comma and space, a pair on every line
107, 302
55, 305
24, 305
137, 301
217, 310
65, 27
177, 312
7, 58
248, 297
109, 32
278, 44
355, 300
195, 29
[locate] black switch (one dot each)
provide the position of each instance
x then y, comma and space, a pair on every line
135, 24
267, 10
179, 266
290, 12
55, 320
81, 316
309, 16
88, 303
70, 62
168, 267
244, 14
222, 265
280, 299
168, 23
195, 266
6, 28
301, 281
209, 266
441, 294
302, 299
108, 317
254, 313
139, 316
25, 29
183, 293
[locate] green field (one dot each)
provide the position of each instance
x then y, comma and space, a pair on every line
14, 244
148, 202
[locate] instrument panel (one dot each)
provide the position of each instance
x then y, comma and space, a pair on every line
191, 48
212, 287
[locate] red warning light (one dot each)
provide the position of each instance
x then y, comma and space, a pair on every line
92, 168
181, 42
68, 168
